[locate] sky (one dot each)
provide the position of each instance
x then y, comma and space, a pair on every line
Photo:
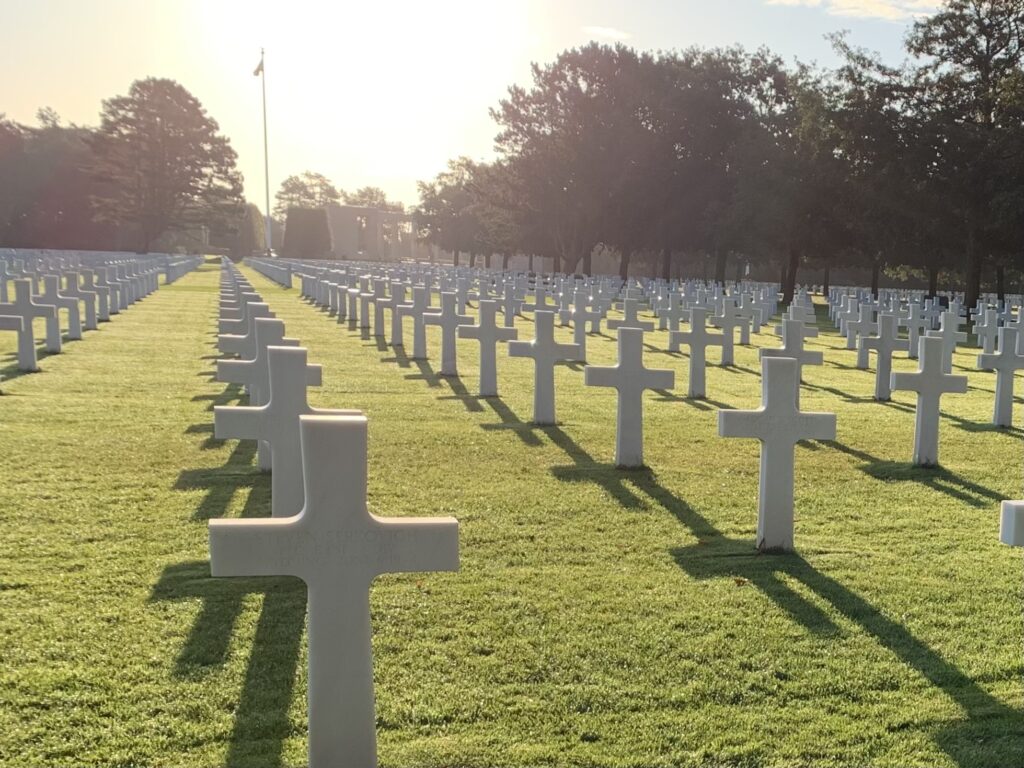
380, 94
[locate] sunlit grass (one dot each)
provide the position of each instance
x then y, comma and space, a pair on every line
601, 617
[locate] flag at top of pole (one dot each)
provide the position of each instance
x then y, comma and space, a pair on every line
259, 67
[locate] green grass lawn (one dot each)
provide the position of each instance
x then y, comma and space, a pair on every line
601, 617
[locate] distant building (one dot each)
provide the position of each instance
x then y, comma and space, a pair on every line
370, 234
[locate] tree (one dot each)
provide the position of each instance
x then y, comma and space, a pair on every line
307, 190
969, 87
162, 162
373, 197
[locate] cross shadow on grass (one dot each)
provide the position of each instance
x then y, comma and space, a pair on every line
979, 426
401, 358
232, 395
221, 483
426, 374
261, 723
989, 726
700, 403
525, 431
11, 371
460, 393
936, 478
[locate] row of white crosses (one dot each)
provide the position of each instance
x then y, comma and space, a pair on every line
320, 529
101, 291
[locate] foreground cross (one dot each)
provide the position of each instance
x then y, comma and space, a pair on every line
1006, 363
276, 422
488, 334
779, 425
931, 384
630, 378
545, 352
337, 547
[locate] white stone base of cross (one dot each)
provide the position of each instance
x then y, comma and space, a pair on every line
1011, 523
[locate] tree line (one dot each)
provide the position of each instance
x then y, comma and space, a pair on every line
155, 171
734, 155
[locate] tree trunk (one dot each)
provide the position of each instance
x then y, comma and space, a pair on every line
739, 271
784, 274
624, 265
721, 261
588, 267
789, 287
972, 289
825, 281
666, 263
933, 280
504, 261
876, 268
1001, 283
556, 263
529, 267
455, 258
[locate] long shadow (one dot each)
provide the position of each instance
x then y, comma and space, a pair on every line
700, 403
979, 426
221, 483
261, 723
11, 371
847, 397
937, 478
460, 393
205, 428
232, 395
964, 742
585, 469
426, 374
525, 431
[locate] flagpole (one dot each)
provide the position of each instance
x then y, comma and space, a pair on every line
266, 157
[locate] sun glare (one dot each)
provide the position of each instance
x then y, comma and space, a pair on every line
370, 94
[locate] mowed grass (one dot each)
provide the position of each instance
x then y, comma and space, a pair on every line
600, 617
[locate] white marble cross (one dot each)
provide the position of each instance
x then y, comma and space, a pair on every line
729, 321
337, 547
392, 303
630, 378
916, 324
580, 316
510, 305
102, 295
793, 348
675, 312
884, 344
86, 296
698, 340
951, 335
277, 423
244, 344
417, 310
448, 319
630, 319
545, 352
52, 295
1006, 363
930, 383
380, 303
488, 334
25, 307
987, 331
779, 424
